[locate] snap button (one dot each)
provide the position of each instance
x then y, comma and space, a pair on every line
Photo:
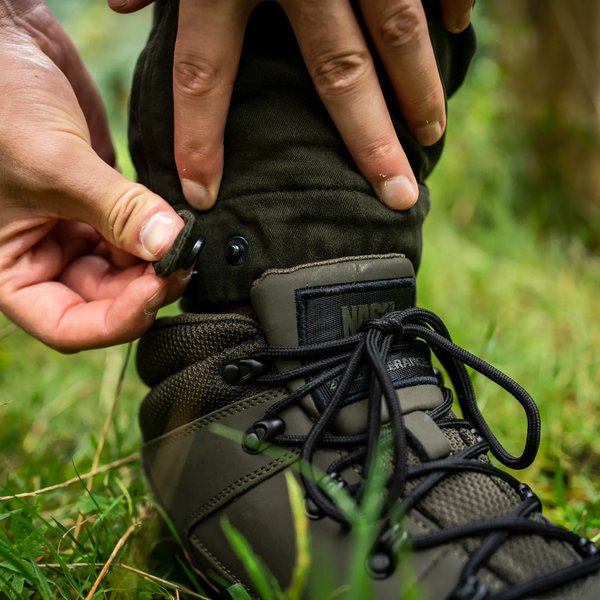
236, 250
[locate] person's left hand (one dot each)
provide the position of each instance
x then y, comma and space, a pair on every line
209, 41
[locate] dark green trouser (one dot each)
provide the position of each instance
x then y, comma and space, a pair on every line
289, 186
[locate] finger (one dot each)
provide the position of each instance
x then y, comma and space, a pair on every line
95, 278
128, 6
339, 62
62, 319
456, 14
121, 259
209, 42
399, 31
126, 214
55, 247
117, 257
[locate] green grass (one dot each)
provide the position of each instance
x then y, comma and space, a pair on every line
524, 299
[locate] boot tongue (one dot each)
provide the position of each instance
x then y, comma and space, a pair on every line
325, 301
321, 302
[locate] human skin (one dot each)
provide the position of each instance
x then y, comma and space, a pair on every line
76, 237
209, 41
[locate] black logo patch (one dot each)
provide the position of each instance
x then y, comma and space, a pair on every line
353, 317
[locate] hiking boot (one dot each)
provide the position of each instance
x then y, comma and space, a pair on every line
333, 383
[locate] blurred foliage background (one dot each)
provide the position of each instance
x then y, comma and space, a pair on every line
511, 263
530, 117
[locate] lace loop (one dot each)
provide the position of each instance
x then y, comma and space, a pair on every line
368, 352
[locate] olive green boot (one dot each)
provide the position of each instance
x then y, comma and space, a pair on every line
331, 380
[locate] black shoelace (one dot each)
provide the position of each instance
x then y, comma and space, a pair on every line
341, 359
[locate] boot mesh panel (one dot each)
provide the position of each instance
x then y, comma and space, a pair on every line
465, 497
178, 342
183, 357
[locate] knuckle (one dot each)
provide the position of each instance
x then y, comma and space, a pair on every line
428, 105
194, 76
123, 215
378, 151
403, 27
192, 154
340, 73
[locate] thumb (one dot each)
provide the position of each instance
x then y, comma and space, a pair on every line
126, 214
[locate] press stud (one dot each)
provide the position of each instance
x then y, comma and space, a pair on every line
236, 250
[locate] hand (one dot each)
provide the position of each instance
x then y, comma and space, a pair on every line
209, 42
75, 235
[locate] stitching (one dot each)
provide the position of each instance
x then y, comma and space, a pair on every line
202, 423
205, 321
208, 506
212, 557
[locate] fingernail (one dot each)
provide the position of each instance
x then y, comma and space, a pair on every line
184, 275
463, 21
429, 133
117, 3
399, 192
154, 303
196, 194
158, 233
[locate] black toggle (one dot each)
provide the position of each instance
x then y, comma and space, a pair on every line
587, 548
258, 437
242, 370
527, 493
185, 249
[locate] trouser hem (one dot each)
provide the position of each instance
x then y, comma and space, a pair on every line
287, 228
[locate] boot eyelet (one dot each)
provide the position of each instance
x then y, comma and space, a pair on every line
439, 376
380, 563
527, 493
472, 589
587, 548
313, 512
258, 437
242, 370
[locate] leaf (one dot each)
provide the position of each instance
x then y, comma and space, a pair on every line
263, 580
302, 564
238, 592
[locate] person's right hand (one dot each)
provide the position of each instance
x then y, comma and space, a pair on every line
75, 235
209, 42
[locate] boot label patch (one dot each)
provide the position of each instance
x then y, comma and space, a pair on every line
353, 317
332, 312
